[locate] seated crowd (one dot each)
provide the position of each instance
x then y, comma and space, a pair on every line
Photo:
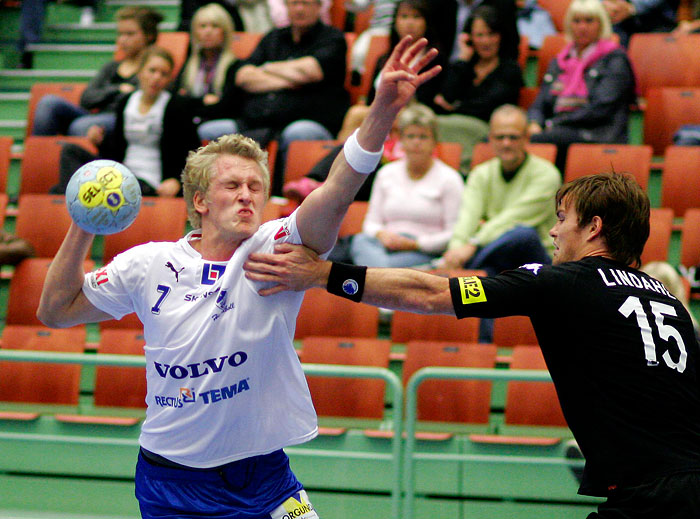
292, 87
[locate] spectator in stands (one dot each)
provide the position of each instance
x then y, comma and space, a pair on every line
414, 17
211, 58
414, 201
588, 88
457, 12
482, 79
291, 87
137, 28
153, 134
632, 16
507, 208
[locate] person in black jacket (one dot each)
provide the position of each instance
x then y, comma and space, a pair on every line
153, 134
588, 88
619, 346
483, 77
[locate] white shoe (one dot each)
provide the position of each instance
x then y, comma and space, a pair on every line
87, 16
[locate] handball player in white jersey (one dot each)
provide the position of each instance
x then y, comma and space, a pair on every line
226, 392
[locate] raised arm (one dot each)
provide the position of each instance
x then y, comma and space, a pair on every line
322, 211
62, 302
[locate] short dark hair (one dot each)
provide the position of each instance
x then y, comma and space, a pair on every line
621, 204
146, 18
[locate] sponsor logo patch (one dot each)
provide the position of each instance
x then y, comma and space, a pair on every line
296, 507
471, 290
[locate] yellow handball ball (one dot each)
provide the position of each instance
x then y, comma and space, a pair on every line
103, 197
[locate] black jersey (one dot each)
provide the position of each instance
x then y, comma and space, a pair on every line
623, 356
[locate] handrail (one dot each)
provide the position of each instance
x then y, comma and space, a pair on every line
411, 412
326, 370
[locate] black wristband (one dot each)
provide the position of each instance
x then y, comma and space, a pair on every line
347, 281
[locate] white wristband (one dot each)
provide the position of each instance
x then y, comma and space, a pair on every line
361, 160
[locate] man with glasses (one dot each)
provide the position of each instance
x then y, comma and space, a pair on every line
506, 208
290, 88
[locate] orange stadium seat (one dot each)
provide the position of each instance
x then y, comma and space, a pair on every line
587, 159
243, 43
527, 96
513, 330
378, 46
557, 10
120, 386
41, 159
681, 171
464, 401
649, 54
551, 45
71, 92
347, 397
38, 382
690, 238
660, 228
450, 153
324, 314
531, 403
667, 110
5, 156
302, 156
33, 209
3, 208
406, 326
353, 219
25, 290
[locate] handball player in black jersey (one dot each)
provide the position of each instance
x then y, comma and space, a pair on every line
620, 348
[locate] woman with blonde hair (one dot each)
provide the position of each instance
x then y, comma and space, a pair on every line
204, 75
588, 88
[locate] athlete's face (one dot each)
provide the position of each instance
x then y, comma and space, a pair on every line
570, 240
235, 199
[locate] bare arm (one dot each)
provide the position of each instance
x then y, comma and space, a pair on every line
294, 267
322, 211
63, 302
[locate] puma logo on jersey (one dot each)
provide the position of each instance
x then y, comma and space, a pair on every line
175, 271
534, 267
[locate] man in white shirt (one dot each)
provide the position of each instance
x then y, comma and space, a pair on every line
226, 392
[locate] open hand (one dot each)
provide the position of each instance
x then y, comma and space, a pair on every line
291, 267
402, 75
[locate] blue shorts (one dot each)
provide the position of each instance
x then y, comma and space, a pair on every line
251, 488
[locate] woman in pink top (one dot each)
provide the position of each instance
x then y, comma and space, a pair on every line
414, 201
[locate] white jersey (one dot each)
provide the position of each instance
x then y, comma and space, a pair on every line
224, 381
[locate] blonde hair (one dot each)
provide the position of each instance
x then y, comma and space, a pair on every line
417, 114
201, 164
219, 17
588, 8
672, 280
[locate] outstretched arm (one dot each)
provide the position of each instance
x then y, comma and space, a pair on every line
294, 267
63, 302
322, 211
